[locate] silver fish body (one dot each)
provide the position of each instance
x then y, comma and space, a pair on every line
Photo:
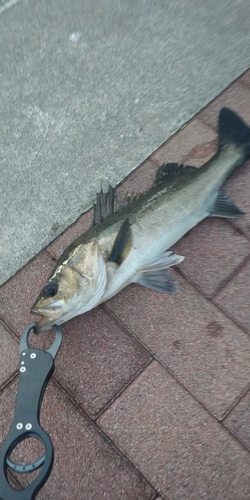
130, 245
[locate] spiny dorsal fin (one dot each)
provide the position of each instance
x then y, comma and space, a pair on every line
106, 204
224, 207
122, 244
172, 170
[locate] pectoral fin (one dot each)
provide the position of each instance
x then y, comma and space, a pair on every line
165, 260
122, 244
224, 207
156, 274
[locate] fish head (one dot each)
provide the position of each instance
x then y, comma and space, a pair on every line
75, 287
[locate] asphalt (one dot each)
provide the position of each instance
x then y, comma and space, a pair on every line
89, 90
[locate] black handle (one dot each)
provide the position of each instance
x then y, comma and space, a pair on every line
36, 367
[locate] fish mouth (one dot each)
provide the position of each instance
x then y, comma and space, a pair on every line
49, 318
44, 324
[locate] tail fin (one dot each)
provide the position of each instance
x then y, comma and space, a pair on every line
232, 129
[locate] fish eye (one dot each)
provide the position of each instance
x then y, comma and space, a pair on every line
50, 290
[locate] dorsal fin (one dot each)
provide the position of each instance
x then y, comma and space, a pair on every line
106, 204
172, 170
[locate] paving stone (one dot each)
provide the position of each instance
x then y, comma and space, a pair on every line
9, 355
13, 482
19, 293
202, 347
139, 181
176, 444
85, 464
60, 244
194, 144
245, 79
237, 188
236, 97
234, 299
213, 250
97, 360
238, 421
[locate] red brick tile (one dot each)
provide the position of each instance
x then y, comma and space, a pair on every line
176, 444
194, 145
200, 345
237, 188
236, 97
85, 464
138, 181
60, 244
212, 250
238, 421
9, 355
234, 299
19, 293
97, 360
13, 482
245, 79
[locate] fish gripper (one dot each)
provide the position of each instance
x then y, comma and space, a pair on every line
35, 369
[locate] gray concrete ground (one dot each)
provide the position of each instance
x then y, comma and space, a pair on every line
89, 89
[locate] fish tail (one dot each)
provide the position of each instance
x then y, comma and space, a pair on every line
233, 130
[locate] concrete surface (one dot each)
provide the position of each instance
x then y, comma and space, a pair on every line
89, 90
150, 395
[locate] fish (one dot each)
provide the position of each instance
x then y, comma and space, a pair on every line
130, 244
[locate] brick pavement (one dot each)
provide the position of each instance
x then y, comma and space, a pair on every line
150, 398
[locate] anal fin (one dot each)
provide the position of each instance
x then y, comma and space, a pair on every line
161, 280
224, 207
